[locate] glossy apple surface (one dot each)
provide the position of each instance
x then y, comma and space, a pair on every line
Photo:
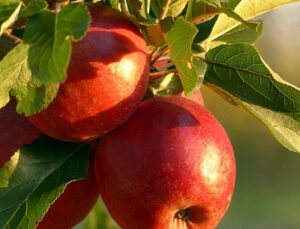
107, 79
171, 166
15, 131
73, 205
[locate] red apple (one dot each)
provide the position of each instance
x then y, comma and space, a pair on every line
171, 166
107, 79
73, 204
15, 131
196, 96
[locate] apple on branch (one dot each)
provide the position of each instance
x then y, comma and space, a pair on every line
170, 166
107, 79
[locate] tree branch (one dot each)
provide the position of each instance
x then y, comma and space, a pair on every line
7, 43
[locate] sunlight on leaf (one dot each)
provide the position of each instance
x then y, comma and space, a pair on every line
179, 39
239, 71
165, 8
247, 9
37, 178
33, 70
8, 169
10, 20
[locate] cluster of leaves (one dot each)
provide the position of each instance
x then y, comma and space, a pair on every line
204, 41
218, 51
33, 70
201, 47
35, 48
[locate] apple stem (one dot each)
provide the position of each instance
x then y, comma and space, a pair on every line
160, 74
153, 53
158, 56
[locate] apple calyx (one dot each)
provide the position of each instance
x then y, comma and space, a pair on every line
184, 215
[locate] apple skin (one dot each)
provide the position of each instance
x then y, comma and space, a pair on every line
73, 205
171, 166
196, 96
107, 79
15, 131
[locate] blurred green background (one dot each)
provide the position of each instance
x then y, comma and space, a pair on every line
267, 194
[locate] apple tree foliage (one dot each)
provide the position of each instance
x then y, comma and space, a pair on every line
204, 41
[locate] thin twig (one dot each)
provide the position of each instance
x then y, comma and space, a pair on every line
161, 74
152, 53
165, 10
158, 56
204, 17
8, 42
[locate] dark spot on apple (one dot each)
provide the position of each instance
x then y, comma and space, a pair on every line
193, 214
184, 215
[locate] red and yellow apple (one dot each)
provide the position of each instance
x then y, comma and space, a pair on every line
171, 166
107, 79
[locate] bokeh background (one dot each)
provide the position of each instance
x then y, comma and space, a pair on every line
267, 194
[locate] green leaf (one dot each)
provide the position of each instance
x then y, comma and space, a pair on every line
217, 3
50, 38
114, 4
153, 35
238, 71
16, 79
33, 96
230, 13
9, 11
33, 179
168, 85
179, 38
7, 7
200, 12
33, 70
241, 34
247, 9
166, 8
139, 10
12, 67
233, 3
33, 7
145, 9
131, 7
283, 127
